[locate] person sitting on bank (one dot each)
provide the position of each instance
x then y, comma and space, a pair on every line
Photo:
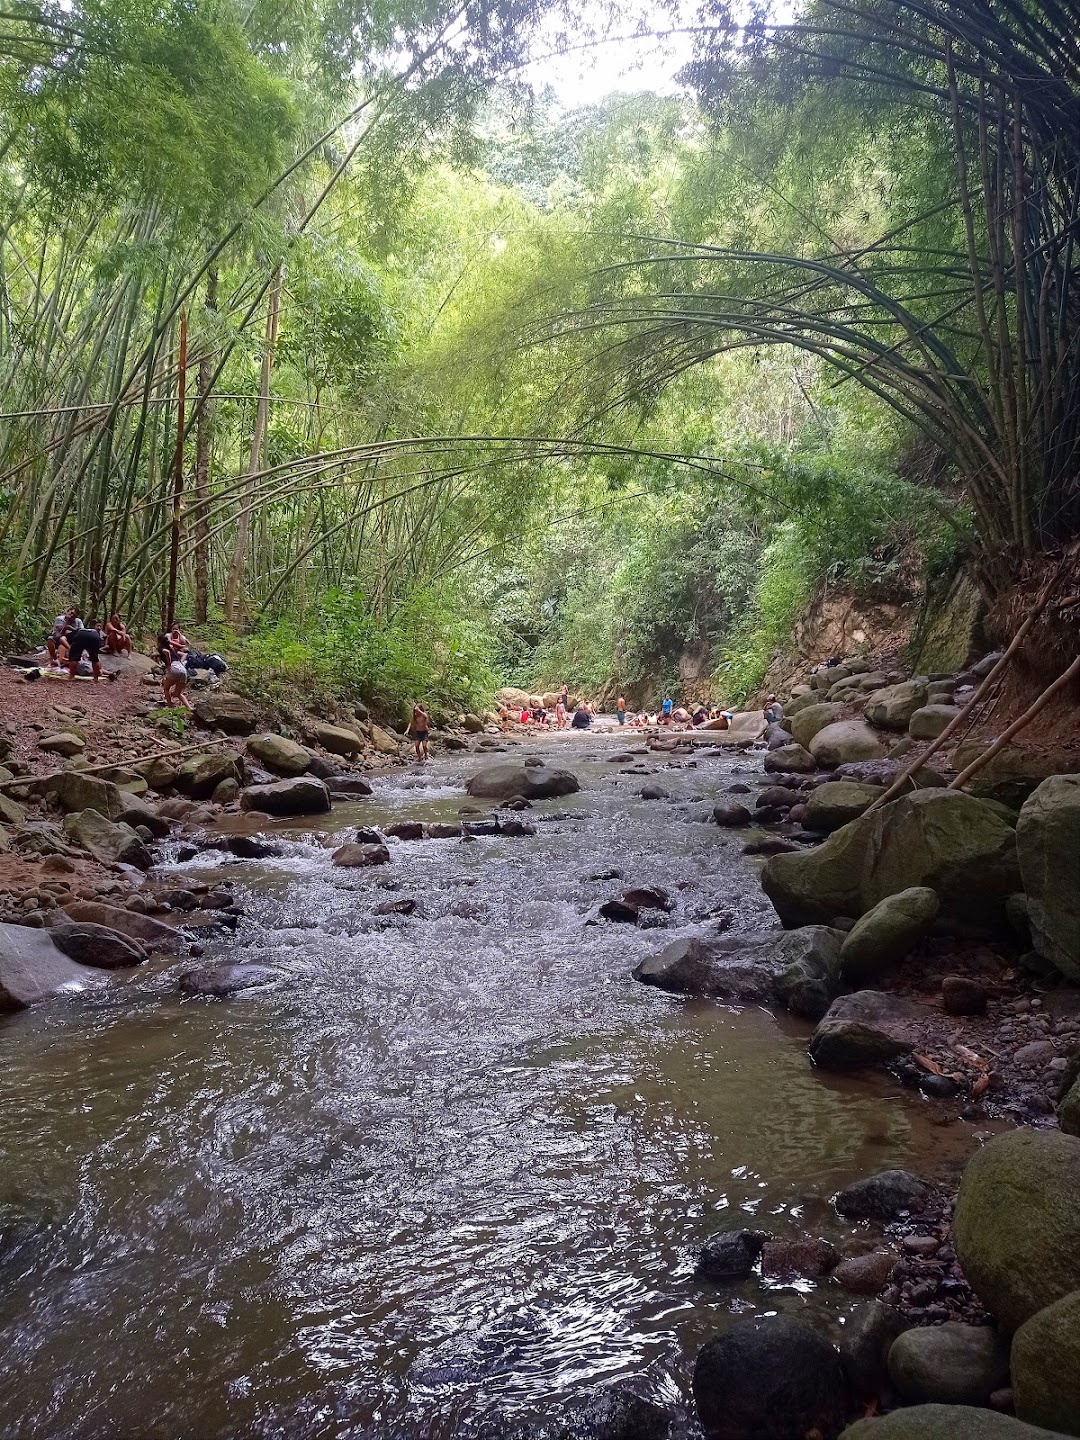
700, 715
117, 639
774, 711
86, 640
421, 724
69, 620
582, 717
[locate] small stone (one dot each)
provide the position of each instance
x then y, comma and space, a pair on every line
961, 995
865, 1274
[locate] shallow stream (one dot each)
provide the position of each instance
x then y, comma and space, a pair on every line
452, 1171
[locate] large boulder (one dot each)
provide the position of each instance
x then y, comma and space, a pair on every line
845, 742
231, 713
66, 743
32, 968
98, 946
893, 707
951, 1364
384, 742
1045, 1365
1048, 847
838, 802
941, 840
133, 810
338, 739
74, 791
810, 979
152, 934
774, 1380
199, 777
946, 1422
865, 1029
303, 795
789, 760
279, 754
806, 724
531, 782
108, 842
887, 932
1017, 1223
1069, 1110
730, 1255
735, 968
929, 721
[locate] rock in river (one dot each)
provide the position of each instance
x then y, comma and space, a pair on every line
355, 856
1017, 1222
1047, 846
951, 1364
774, 1380
219, 981
32, 968
153, 935
302, 796
730, 1255
532, 782
946, 1422
789, 760
883, 1196
727, 967
865, 1029
939, 839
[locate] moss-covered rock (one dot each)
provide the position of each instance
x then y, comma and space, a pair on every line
887, 932
279, 754
1045, 1366
1048, 849
837, 803
893, 707
937, 839
812, 718
1017, 1223
845, 742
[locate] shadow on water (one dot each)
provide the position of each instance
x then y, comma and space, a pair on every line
451, 1171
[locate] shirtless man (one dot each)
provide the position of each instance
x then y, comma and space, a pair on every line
420, 725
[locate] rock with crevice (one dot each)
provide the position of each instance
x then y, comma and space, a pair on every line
109, 842
1048, 851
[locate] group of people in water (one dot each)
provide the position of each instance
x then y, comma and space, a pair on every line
76, 646
562, 715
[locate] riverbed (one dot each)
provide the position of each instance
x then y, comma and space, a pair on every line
448, 1174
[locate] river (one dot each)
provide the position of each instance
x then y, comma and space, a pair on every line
450, 1172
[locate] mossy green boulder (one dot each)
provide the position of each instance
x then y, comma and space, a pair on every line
887, 932
1045, 1366
1048, 849
1017, 1223
941, 840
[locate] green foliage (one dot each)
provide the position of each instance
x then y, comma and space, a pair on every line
429, 649
20, 622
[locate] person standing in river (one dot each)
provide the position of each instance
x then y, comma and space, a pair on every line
421, 723
620, 710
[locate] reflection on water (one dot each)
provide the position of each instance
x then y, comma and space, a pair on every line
451, 1170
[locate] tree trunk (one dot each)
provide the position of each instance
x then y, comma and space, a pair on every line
202, 466
234, 582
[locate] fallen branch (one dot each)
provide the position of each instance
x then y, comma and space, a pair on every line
901, 781
1019, 724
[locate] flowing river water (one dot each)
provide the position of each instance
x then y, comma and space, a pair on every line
446, 1175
